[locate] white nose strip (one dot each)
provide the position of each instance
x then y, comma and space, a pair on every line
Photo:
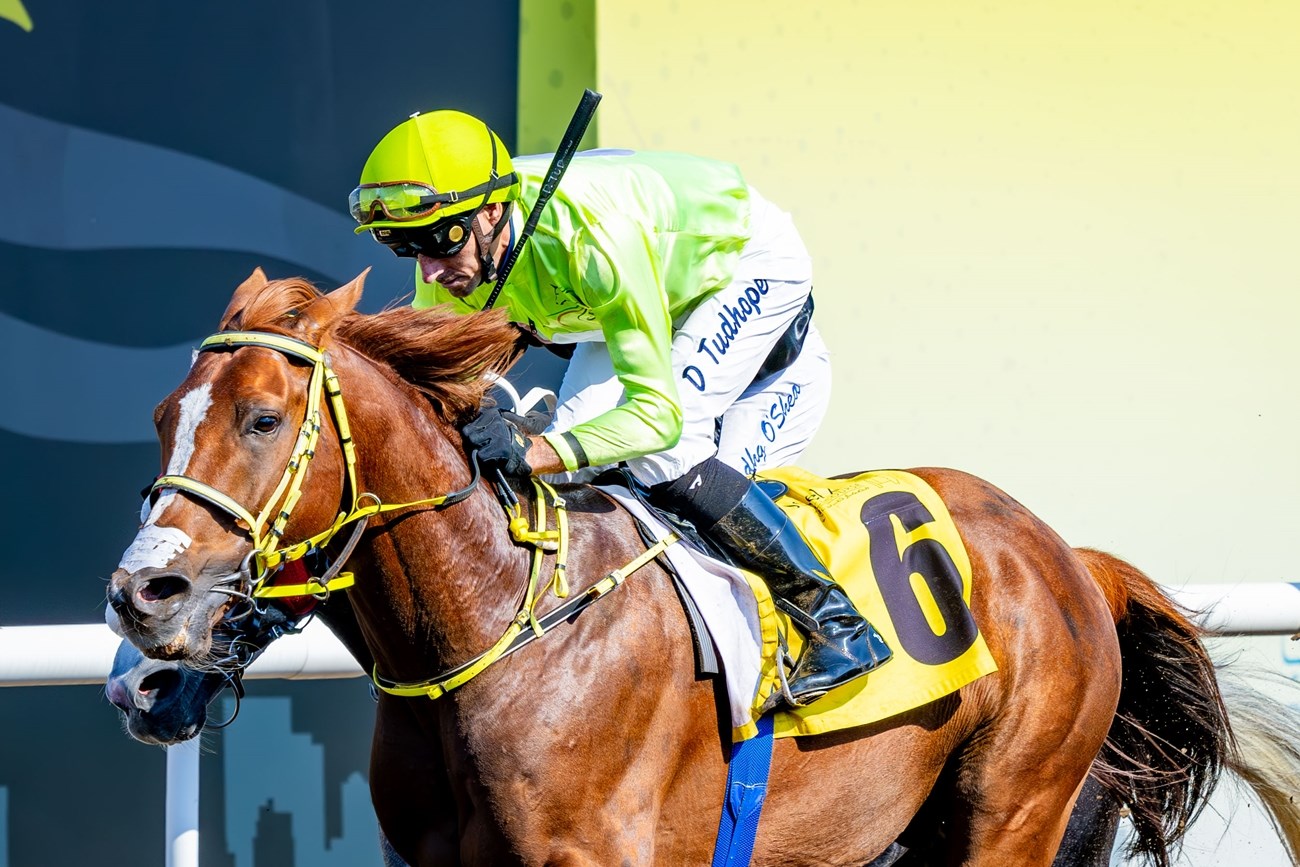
157, 546
154, 546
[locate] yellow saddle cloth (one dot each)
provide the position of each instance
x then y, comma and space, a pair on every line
888, 540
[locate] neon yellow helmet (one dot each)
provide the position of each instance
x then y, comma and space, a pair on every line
430, 167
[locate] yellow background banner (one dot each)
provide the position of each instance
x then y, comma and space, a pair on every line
1053, 243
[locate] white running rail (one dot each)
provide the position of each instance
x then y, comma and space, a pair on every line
83, 654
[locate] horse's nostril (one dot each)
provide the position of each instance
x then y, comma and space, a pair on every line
162, 588
159, 683
116, 692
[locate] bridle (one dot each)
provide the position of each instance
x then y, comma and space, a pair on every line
270, 554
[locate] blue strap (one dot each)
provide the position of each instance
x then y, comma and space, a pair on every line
747, 773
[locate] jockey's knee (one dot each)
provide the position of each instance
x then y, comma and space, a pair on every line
705, 493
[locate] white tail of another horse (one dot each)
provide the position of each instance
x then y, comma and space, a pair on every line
1267, 757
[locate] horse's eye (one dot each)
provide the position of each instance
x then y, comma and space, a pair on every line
266, 424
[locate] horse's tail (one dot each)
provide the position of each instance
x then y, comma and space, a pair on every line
1171, 738
1268, 753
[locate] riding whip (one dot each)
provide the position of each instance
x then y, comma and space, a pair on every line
563, 154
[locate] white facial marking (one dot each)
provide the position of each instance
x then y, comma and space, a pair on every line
155, 545
194, 407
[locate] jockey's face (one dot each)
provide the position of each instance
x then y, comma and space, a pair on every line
460, 273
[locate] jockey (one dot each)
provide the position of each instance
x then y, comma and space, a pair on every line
685, 298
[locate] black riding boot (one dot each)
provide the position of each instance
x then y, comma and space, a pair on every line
841, 645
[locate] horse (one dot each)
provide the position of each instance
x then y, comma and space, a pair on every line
164, 703
1094, 663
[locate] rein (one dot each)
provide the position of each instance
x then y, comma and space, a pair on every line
268, 556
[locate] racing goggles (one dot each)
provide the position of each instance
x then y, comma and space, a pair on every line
442, 240
403, 201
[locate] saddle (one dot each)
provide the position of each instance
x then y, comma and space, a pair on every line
889, 541
887, 538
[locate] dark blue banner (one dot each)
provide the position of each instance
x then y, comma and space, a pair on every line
151, 155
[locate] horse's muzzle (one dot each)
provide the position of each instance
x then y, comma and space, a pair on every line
153, 608
150, 594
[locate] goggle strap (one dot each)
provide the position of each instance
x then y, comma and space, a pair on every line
488, 187
485, 189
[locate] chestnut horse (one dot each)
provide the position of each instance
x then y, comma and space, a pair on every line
598, 744
164, 702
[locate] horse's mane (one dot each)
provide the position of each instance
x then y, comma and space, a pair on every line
442, 353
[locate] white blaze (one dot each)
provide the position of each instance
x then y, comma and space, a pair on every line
194, 407
155, 545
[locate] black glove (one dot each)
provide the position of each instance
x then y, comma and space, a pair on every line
499, 444
533, 424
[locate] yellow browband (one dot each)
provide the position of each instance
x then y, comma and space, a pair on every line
267, 556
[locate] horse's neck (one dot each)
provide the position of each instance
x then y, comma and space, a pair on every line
435, 587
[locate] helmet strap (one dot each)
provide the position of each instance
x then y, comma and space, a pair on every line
487, 262
487, 241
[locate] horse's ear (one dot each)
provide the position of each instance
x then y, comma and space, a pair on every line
255, 283
326, 310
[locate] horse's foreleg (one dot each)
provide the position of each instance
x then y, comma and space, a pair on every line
410, 791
